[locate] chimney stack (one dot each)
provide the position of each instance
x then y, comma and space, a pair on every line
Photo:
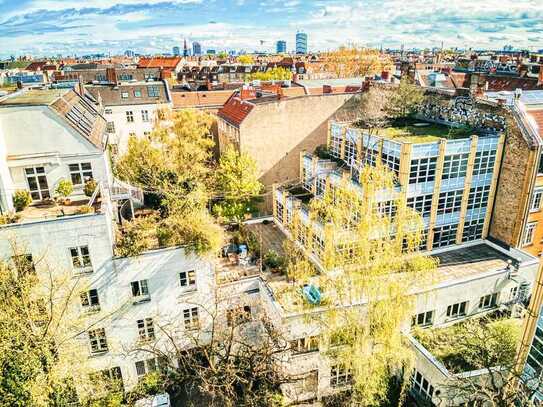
111, 75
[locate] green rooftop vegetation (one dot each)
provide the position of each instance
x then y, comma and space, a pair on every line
473, 344
419, 131
35, 97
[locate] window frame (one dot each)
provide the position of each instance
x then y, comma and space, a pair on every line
81, 259
140, 291
488, 301
537, 199
427, 319
191, 318
129, 116
43, 192
461, 310
79, 176
529, 232
98, 341
146, 329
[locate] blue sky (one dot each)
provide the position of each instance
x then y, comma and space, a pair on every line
47, 27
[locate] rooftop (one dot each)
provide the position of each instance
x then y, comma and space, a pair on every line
419, 131
34, 97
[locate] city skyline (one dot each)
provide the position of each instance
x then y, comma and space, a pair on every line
46, 27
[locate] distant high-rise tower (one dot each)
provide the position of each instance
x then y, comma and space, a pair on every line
185, 49
196, 48
176, 51
281, 47
301, 42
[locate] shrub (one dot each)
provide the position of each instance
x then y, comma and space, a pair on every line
64, 188
8, 218
21, 199
272, 260
89, 188
85, 209
137, 236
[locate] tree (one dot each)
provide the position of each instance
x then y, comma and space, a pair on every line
352, 61
174, 166
222, 55
233, 358
364, 258
246, 59
489, 346
40, 364
404, 100
372, 109
237, 181
277, 74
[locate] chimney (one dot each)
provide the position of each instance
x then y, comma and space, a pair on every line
111, 75
326, 89
80, 88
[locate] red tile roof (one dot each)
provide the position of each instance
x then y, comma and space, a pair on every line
499, 83
538, 117
235, 110
159, 62
36, 66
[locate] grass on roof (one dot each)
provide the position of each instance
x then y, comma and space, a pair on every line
36, 97
419, 131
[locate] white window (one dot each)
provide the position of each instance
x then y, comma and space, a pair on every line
455, 166
90, 301
340, 376
187, 279
108, 111
488, 301
37, 183
304, 345
129, 116
145, 115
457, 310
124, 95
513, 292
154, 91
80, 173
110, 127
137, 93
420, 385
423, 319
81, 260
144, 367
98, 341
190, 318
140, 291
536, 200
146, 329
529, 233
450, 201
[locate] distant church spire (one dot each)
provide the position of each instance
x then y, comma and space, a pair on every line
185, 49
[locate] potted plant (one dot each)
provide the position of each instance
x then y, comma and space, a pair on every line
65, 189
90, 186
21, 199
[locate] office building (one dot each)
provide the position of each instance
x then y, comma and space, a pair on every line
176, 51
281, 47
196, 48
301, 43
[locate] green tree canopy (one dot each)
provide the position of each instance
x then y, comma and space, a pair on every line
277, 74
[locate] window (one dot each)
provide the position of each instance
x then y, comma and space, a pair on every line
154, 91
473, 230
145, 115
124, 95
132, 134
81, 258
529, 234
444, 236
146, 330
421, 386
279, 210
109, 375
340, 376
422, 204
536, 200
129, 116
321, 185
137, 93
308, 383
423, 319
187, 279
391, 162
540, 167
190, 317
126, 77
90, 301
449, 202
488, 301
140, 290
146, 134
350, 152
455, 166
387, 208
37, 183
80, 173
457, 310
239, 315
98, 341
478, 197
304, 345
110, 127
422, 170
108, 111
484, 162
144, 367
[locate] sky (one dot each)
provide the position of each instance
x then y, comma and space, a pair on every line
77, 27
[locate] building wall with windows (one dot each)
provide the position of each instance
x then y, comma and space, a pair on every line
452, 182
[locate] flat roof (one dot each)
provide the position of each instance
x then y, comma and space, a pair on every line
34, 97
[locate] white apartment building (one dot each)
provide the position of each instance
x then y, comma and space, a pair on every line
131, 108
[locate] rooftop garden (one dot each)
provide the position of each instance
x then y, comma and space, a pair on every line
418, 131
473, 344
